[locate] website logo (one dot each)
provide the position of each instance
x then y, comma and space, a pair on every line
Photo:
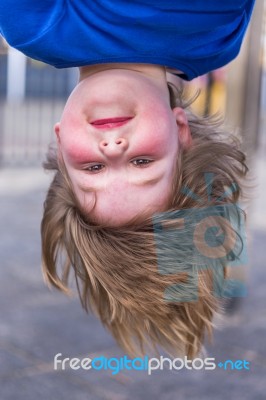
191, 240
149, 365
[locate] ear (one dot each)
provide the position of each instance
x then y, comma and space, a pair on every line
57, 131
183, 128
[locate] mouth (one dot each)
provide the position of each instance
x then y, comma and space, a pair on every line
110, 122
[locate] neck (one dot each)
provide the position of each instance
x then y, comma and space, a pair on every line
155, 72
152, 70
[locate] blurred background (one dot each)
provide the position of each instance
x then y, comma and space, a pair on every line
36, 324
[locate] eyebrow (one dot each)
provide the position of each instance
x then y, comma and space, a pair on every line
146, 182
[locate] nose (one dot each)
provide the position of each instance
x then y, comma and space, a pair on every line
113, 147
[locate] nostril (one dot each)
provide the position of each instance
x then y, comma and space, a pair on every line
120, 143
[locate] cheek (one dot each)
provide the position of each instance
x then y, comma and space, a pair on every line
76, 147
159, 138
160, 129
77, 154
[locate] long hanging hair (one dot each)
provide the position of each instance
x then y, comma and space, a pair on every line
145, 280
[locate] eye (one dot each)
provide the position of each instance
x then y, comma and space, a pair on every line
94, 168
141, 162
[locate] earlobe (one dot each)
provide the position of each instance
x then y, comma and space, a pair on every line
184, 132
57, 131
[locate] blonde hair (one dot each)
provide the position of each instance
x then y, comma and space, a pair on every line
116, 268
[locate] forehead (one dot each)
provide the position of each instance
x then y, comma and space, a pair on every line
119, 203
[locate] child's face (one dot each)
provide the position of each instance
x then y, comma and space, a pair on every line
120, 169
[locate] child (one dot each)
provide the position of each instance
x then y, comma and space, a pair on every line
116, 267
126, 148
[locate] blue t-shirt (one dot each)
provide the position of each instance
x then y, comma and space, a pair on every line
194, 36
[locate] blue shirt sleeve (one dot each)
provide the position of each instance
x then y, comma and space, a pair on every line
23, 20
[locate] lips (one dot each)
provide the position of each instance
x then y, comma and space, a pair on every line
110, 122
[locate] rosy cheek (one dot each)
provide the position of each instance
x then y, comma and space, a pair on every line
154, 141
77, 153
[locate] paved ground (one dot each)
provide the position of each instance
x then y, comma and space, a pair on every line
36, 324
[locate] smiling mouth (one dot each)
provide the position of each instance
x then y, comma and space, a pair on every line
110, 122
